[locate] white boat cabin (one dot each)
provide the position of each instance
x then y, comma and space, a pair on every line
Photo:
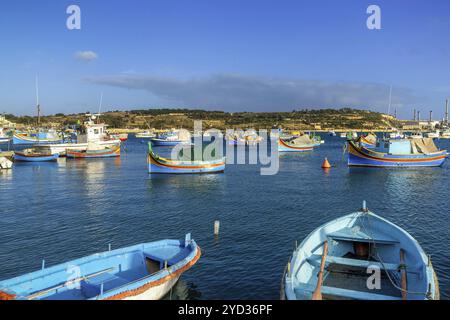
91, 131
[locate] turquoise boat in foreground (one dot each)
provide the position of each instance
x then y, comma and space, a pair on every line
337, 260
145, 271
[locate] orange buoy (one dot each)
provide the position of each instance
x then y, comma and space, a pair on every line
326, 164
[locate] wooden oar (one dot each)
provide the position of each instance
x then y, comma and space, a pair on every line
403, 272
43, 292
317, 295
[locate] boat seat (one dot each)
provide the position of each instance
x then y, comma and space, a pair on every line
360, 236
308, 289
315, 260
92, 287
182, 254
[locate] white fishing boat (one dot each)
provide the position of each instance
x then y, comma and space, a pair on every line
396, 135
4, 138
145, 135
416, 135
445, 134
90, 132
436, 134
5, 162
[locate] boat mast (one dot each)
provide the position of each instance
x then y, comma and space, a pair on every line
390, 100
100, 108
37, 103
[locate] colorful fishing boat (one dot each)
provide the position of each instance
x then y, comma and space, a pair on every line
32, 155
397, 153
146, 271
95, 152
299, 144
36, 138
90, 132
368, 141
172, 138
337, 260
157, 164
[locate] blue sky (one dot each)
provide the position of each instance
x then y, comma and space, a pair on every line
232, 55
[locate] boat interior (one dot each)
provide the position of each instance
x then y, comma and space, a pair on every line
90, 277
354, 258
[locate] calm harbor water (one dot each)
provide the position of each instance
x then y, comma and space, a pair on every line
72, 208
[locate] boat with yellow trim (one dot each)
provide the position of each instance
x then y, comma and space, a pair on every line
157, 164
95, 152
397, 153
368, 141
299, 144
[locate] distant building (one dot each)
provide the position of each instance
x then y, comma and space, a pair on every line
6, 123
419, 125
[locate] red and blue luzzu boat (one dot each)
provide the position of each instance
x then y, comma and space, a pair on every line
31, 155
299, 144
157, 164
97, 153
397, 153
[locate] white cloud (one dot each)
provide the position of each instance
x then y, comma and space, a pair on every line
86, 55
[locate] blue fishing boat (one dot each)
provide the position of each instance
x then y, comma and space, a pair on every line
31, 155
171, 139
337, 259
157, 164
144, 271
397, 153
36, 138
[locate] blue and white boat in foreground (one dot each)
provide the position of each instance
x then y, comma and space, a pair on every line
339, 260
141, 272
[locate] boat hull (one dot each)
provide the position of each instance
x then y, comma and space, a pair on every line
63, 147
364, 157
26, 158
157, 292
97, 154
284, 147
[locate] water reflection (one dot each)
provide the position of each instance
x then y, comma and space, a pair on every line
201, 182
183, 291
6, 174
